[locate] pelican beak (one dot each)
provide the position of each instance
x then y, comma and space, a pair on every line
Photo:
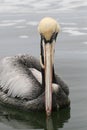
48, 78
47, 63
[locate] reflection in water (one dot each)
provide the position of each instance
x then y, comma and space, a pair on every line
58, 119
49, 123
33, 120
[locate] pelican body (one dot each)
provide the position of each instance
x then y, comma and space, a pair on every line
29, 84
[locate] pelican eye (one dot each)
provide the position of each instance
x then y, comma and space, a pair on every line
42, 36
53, 37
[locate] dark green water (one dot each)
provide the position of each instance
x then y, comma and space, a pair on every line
16, 119
18, 34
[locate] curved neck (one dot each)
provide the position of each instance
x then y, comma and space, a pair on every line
53, 77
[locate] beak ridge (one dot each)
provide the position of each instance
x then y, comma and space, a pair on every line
48, 78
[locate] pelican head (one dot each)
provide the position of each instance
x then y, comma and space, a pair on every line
48, 29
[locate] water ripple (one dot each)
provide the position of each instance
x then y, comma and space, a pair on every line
74, 31
25, 6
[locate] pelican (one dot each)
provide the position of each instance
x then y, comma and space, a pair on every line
28, 84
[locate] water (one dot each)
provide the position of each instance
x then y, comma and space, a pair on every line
18, 34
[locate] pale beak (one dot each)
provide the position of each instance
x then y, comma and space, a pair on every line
48, 62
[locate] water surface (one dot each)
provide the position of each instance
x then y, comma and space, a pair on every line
18, 34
